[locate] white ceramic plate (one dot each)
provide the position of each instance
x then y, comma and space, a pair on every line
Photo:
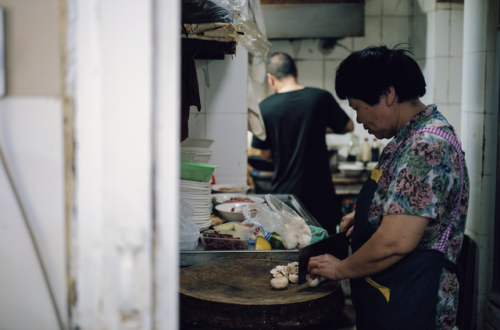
226, 212
222, 198
195, 190
203, 228
197, 199
228, 188
187, 183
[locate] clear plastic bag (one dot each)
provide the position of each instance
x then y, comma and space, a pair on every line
188, 231
250, 36
280, 218
228, 11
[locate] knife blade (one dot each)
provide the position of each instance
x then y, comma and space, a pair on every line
337, 245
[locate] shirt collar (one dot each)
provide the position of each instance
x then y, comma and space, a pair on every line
415, 123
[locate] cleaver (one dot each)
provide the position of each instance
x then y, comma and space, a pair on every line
336, 245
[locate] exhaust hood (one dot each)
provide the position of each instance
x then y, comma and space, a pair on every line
301, 19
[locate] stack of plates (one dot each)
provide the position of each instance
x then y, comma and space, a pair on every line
198, 195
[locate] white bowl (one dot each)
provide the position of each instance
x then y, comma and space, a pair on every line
200, 155
230, 188
224, 198
196, 143
351, 170
227, 212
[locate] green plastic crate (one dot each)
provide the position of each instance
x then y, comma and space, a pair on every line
197, 172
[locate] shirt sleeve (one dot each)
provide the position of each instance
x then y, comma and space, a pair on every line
427, 172
337, 119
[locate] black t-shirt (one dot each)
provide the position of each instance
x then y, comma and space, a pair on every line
296, 124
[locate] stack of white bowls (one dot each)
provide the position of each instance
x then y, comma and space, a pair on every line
196, 150
198, 195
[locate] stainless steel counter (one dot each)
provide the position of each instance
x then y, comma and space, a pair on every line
199, 256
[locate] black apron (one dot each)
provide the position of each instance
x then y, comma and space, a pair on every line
404, 296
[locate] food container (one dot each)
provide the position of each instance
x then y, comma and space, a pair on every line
234, 228
213, 243
200, 155
196, 143
188, 242
197, 172
230, 188
226, 211
226, 198
187, 157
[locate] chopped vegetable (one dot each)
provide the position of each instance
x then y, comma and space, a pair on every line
276, 242
262, 244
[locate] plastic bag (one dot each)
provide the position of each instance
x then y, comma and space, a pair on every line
228, 11
188, 231
205, 11
280, 218
252, 39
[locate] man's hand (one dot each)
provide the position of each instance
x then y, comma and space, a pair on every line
266, 154
348, 223
324, 266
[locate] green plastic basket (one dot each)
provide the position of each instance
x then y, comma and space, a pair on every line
197, 172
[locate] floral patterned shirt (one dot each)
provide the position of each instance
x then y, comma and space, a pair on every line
423, 179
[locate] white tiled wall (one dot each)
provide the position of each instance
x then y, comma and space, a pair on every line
386, 21
438, 39
223, 115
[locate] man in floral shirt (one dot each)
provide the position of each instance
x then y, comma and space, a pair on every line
409, 222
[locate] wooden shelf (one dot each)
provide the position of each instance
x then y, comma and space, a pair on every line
204, 49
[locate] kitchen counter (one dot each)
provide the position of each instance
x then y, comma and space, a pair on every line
349, 185
199, 256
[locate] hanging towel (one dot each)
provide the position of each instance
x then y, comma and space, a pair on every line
190, 92
255, 122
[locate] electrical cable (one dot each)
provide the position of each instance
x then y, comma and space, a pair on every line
31, 232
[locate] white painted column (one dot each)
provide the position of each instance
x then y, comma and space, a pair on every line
166, 140
479, 134
111, 228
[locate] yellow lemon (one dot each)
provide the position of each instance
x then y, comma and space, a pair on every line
262, 244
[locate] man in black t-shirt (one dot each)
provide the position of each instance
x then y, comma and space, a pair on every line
296, 120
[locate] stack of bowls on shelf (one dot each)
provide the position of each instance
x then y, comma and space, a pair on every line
195, 150
195, 178
198, 195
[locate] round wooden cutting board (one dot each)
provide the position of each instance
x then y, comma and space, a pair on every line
237, 294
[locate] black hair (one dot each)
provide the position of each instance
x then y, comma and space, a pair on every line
368, 74
281, 65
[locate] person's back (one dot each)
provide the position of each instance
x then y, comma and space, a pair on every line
296, 120
296, 125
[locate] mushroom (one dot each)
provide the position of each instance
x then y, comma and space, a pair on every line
283, 270
279, 282
294, 278
293, 272
312, 282
293, 268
